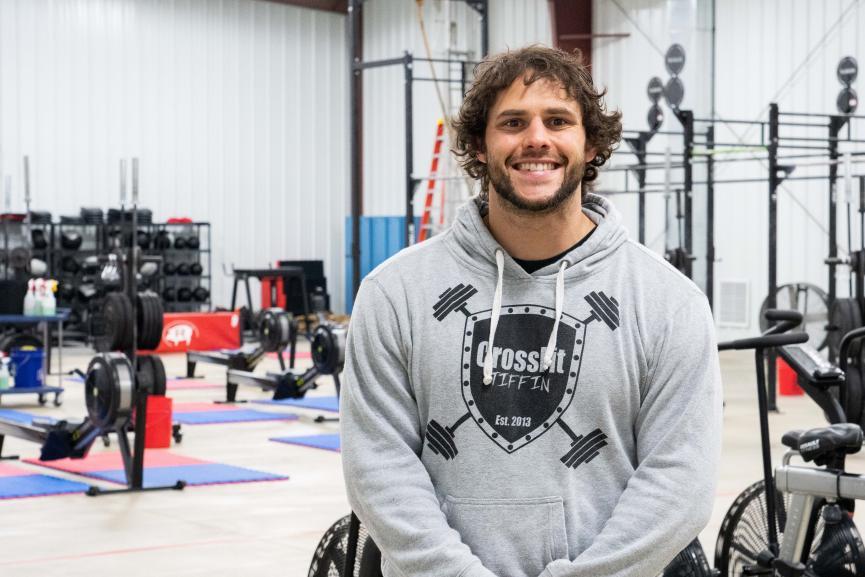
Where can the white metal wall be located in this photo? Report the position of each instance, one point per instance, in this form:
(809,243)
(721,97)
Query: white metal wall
(392,27)
(236,108)
(767,50)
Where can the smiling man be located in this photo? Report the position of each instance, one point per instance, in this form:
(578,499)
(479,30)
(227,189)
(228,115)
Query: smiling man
(531,393)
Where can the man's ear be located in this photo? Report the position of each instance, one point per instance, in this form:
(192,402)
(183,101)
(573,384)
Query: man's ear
(482,151)
(590,153)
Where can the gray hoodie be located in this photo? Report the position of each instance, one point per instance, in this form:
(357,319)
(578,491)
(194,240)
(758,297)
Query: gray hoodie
(581,440)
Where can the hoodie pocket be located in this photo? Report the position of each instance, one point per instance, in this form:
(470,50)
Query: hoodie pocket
(511,537)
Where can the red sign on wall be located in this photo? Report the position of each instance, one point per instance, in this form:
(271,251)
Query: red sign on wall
(183,332)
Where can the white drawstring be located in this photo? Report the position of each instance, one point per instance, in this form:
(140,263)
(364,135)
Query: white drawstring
(560,299)
(494,322)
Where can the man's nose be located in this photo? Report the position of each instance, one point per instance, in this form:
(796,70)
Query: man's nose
(536,135)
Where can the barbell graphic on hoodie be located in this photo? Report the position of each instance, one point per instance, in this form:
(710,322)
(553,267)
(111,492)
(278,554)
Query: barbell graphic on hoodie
(530,387)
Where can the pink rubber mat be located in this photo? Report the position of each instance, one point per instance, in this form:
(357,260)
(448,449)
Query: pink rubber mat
(109,461)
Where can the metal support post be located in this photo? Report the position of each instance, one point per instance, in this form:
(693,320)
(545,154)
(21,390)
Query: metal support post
(774,183)
(355,8)
(710,216)
(408,64)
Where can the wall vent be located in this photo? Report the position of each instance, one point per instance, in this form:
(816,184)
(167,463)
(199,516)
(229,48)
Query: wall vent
(733,308)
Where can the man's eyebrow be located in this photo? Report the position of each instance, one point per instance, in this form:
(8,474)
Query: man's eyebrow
(515,112)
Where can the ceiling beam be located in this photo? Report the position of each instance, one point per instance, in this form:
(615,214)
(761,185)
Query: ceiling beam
(340,6)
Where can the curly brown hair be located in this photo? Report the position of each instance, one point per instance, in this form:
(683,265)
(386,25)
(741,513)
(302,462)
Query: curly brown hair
(533,63)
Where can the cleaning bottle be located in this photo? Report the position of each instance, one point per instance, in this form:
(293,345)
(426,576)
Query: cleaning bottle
(40,297)
(4,373)
(49,304)
(30,298)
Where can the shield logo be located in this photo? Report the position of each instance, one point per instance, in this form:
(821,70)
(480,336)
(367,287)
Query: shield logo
(522,402)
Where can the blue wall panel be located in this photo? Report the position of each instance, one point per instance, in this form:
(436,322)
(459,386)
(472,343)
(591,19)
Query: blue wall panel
(380,238)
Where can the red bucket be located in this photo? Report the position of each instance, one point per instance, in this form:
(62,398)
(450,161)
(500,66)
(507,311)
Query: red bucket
(788,381)
(158,424)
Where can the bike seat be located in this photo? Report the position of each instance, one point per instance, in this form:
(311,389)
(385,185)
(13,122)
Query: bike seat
(814,445)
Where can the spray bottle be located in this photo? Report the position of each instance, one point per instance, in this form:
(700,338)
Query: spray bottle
(5,375)
(40,297)
(30,298)
(49,303)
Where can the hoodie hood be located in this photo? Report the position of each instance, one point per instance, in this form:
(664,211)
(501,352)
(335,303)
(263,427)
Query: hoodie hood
(471,241)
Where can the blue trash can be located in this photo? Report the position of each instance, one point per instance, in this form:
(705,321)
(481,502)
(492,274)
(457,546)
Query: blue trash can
(27,365)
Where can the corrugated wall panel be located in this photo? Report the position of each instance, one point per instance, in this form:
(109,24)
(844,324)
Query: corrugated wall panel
(517,23)
(767,50)
(236,109)
(391,27)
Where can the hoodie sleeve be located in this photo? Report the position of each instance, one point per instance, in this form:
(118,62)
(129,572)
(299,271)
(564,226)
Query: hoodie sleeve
(387,484)
(670,496)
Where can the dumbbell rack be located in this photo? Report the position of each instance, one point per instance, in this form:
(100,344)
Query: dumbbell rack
(173,257)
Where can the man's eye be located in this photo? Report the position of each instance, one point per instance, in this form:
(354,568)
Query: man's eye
(558,122)
(512,123)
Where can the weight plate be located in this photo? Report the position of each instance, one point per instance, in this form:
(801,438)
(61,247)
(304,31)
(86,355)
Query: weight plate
(847,101)
(847,70)
(674,59)
(116,322)
(184,295)
(149,321)
(196,269)
(108,390)
(151,375)
(808,299)
(655,117)
(655,90)
(674,92)
(844,316)
(193,242)
(328,348)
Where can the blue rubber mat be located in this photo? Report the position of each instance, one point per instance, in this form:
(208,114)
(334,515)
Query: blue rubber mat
(22,417)
(326,442)
(37,486)
(16,416)
(212,474)
(232,416)
(330,404)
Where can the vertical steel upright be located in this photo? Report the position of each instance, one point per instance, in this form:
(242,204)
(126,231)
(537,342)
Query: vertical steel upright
(638,147)
(774,183)
(355,8)
(408,80)
(686,118)
(835,124)
(710,215)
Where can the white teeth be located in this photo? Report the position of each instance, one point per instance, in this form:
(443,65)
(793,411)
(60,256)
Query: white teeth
(536,166)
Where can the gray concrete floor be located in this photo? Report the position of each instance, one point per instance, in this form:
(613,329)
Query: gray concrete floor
(271,528)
